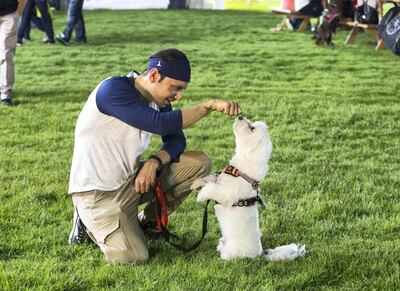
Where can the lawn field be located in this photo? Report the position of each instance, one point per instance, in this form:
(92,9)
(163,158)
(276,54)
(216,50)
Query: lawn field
(334,177)
(255,5)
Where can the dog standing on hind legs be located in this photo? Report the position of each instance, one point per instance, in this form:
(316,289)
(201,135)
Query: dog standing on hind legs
(236,191)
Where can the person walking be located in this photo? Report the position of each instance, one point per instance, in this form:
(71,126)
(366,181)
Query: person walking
(10,11)
(74,21)
(44,23)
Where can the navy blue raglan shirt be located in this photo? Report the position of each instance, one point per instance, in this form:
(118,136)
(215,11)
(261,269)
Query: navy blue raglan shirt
(118,97)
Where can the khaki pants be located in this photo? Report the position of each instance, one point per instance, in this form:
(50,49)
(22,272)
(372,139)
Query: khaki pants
(111,216)
(8,43)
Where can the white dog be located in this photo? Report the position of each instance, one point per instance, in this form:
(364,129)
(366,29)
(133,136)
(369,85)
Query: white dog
(236,191)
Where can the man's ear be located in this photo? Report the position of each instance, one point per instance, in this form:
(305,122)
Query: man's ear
(154,75)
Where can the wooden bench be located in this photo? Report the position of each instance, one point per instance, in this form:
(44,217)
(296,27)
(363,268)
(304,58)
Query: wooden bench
(291,15)
(368,28)
(371,29)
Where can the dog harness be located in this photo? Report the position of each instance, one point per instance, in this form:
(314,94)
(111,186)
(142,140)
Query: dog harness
(230,170)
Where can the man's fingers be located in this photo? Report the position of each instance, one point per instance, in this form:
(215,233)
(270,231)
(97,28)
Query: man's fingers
(137,186)
(143,185)
(232,108)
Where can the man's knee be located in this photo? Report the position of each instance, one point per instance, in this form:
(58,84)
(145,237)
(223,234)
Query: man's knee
(124,244)
(201,161)
(207,164)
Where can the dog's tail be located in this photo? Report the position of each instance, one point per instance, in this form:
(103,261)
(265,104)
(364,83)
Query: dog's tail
(285,253)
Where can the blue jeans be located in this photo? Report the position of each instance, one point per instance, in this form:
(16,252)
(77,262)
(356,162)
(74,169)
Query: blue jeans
(75,20)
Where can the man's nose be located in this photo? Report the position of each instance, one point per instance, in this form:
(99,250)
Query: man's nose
(178,95)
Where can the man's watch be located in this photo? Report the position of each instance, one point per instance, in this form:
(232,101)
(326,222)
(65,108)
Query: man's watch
(160,164)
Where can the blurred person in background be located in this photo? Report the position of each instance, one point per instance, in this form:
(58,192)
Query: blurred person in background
(74,21)
(43,23)
(10,11)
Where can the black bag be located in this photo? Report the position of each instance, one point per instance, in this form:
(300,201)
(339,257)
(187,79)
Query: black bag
(389,30)
(366,14)
(314,8)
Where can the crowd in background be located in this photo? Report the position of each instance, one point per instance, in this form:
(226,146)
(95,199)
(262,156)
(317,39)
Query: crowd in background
(17,17)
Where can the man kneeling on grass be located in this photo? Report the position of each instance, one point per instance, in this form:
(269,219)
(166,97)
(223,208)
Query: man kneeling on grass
(108,181)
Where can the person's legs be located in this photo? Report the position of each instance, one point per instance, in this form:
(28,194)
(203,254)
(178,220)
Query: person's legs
(295,23)
(37,21)
(111,221)
(8,43)
(46,20)
(111,217)
(25,23)
(73,16)
(80,31)
(176,179)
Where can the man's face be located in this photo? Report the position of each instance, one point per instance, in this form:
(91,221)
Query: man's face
(167,90)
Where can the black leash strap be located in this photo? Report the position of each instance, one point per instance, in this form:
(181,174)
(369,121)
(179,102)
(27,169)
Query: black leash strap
(167,235)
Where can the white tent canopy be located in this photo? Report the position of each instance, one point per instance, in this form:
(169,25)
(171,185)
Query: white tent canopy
(146,4)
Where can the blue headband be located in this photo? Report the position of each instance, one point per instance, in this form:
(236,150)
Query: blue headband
(177,69)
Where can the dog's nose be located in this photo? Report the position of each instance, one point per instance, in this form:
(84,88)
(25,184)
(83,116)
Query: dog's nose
(240,117)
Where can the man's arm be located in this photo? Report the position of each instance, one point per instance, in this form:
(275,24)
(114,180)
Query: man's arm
(147,175)
(193,114)
(21,4)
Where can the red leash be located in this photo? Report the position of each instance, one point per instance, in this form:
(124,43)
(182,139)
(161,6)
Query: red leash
(163,205)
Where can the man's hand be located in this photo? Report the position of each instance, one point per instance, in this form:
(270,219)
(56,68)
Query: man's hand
(146,177)
(227,107)
(193,114)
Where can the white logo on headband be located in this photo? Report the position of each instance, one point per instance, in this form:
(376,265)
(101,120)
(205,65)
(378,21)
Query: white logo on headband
(159,64)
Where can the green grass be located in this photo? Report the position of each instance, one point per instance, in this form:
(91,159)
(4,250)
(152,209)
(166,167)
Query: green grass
(334,175)
(256,5)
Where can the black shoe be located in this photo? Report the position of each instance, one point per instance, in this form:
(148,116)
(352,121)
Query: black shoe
(150,230)
(78,233)
(61,39)
(6,102)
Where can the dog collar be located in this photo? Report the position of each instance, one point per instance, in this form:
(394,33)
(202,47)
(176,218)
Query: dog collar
(230,170)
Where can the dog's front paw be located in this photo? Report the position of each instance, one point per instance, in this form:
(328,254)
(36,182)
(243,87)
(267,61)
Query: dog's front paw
(201,198)
(197,184)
